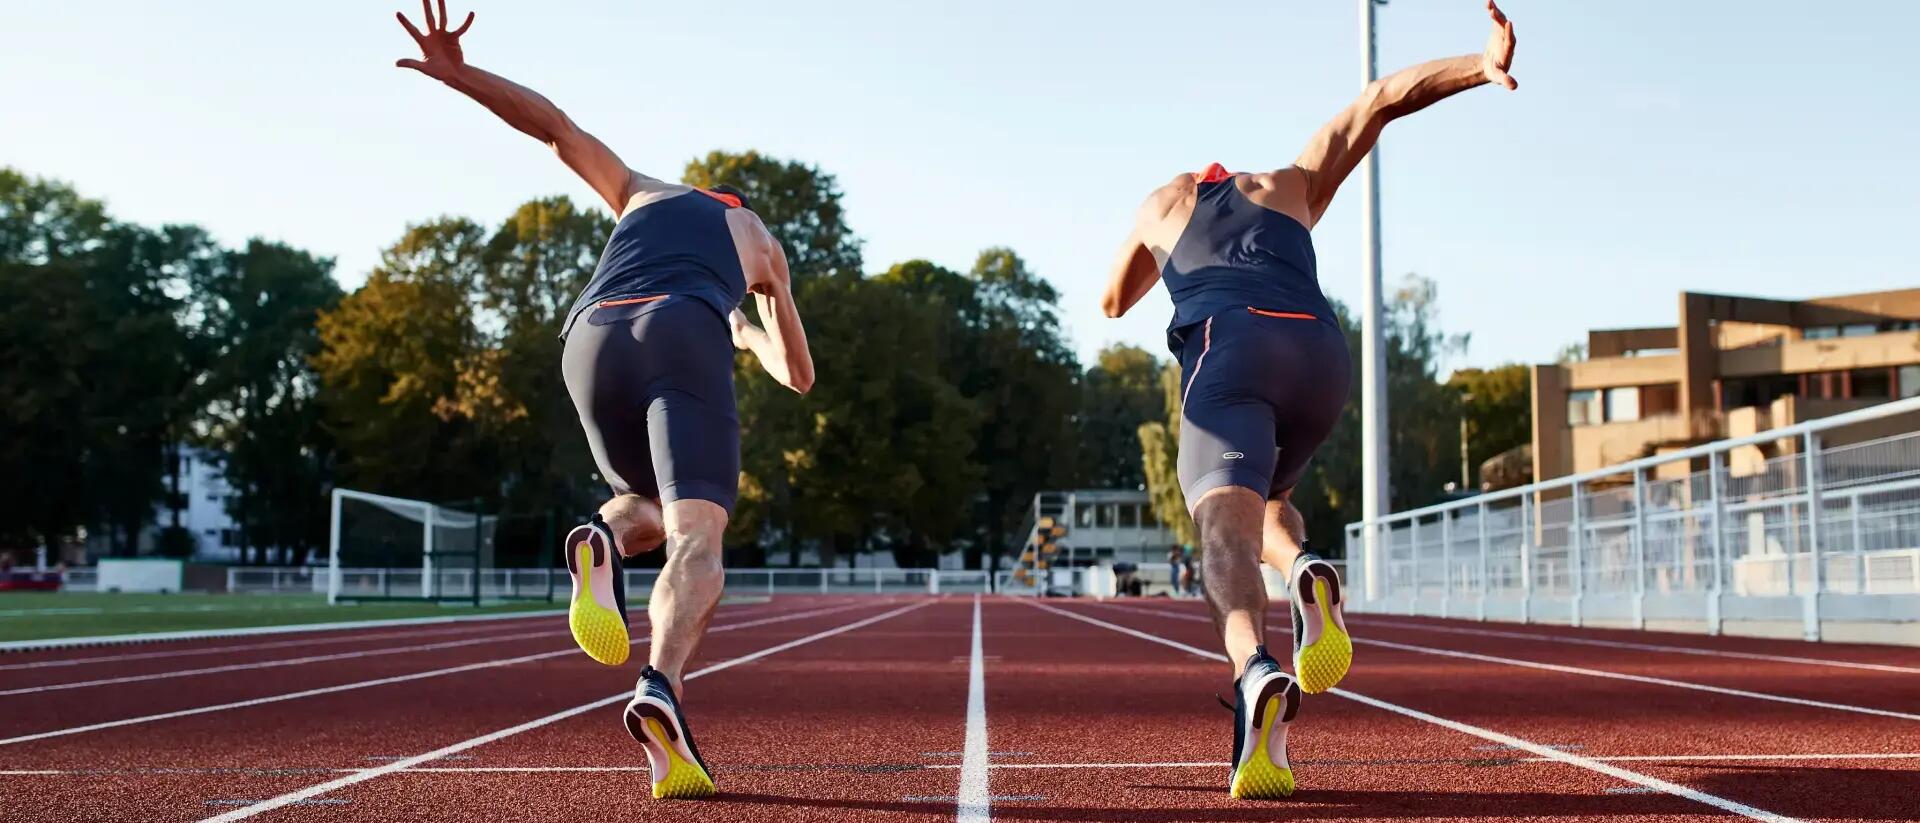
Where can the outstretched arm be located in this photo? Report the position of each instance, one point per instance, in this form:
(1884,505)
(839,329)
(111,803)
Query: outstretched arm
(782,346)
(1342,142)
(521,107)
(1138,267)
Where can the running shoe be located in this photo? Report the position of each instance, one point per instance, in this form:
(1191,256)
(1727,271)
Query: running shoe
(1322,649)
(653,718)
(1265,700)
(598,613)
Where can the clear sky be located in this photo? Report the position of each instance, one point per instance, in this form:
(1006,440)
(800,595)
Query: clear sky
(1762,147)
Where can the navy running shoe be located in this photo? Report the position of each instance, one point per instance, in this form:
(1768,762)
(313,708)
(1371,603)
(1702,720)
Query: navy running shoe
(1322,649)
(1266,699)
(598,612)
(653,717)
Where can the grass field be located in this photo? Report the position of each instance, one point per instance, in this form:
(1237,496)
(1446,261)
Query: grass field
(46,615)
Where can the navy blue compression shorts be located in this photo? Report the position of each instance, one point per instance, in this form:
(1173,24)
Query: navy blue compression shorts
(1262,390)
(652,379)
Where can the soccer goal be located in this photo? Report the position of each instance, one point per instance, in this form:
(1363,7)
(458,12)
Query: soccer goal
(393,548)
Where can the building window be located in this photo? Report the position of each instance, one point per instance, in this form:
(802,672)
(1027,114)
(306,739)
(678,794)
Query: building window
(1083,515)
(229,538)
(1583,408)
(1103,552)
(1623,404)
(1104,516)
(1148,521)
(1819,332)
(1859,329)
(1660,399)
(1129,516)
(1909,381)
(1872,384)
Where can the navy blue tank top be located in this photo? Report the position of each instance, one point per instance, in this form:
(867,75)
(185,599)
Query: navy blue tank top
(1237,254)
(677,246)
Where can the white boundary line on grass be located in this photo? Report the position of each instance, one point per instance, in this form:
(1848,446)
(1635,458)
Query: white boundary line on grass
(384,681)
(1544,752)
(1645,647)
(364,775)
(975,801)
(1555,667)
(249,631)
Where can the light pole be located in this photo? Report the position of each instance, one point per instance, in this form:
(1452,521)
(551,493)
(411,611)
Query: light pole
(1374,502)
(1465,399)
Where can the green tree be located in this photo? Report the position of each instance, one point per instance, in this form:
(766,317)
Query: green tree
(1120,393)
(390,364)
(256,313)
(1499,410)
(999,344)
(107,339)
(1160,459)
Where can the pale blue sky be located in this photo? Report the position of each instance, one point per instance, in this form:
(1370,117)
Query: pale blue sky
(1754,147)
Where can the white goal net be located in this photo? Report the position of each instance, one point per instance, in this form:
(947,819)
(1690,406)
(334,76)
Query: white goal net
(382,547)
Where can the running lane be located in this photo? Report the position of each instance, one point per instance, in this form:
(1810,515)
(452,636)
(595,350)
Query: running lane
(1602,718)
(191,767)
(851,727)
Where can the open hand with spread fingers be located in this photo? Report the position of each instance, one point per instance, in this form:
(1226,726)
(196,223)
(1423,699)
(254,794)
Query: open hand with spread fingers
(439,46)
(1499,55)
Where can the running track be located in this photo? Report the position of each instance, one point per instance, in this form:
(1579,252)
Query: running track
(864,707)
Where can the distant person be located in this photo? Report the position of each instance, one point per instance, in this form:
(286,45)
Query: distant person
(1264,372)
(1188,577)
(1176,556)
(648,361)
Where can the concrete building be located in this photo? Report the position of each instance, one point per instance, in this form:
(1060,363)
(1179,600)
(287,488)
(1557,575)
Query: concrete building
(1732,366)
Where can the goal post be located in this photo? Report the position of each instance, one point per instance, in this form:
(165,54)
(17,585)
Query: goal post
(381,547)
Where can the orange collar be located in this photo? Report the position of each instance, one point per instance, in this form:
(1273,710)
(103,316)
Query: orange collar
(1214,174)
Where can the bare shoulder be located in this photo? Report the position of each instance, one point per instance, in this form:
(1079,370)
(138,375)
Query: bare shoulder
(1166,199)
(760,254)
(1283,190)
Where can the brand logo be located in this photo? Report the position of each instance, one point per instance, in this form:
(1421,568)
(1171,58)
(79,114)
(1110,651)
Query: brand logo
(1232,456)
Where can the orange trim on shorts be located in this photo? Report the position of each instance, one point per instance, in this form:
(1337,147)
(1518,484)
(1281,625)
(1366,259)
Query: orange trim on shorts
(1213,174)
(630,301)
(730,200)
(1284,315)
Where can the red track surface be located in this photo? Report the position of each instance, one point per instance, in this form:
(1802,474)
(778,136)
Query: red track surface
(871,723)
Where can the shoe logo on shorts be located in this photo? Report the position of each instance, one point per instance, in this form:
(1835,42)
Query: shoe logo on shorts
(1232,456)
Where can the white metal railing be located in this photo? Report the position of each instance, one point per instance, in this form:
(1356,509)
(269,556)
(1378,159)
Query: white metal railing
(1656,538)
(521,583)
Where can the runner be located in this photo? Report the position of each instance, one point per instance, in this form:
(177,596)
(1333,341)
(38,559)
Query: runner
(649,363)
(1264,370)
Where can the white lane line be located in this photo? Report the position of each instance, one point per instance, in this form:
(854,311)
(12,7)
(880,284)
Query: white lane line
(1645,647)
(1587,763)
(202,634)
(364,775)
(384,681)
(245,647)
(1636,678)
(1554,667)
(284,644)
(291,661)
(974,801)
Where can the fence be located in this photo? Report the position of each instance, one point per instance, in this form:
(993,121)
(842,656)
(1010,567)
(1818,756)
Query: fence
(525,583)
(1775,526)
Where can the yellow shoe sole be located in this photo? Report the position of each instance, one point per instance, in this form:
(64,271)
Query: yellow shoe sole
(1259,778)
(1321,664)
(599,630)
(685,780)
